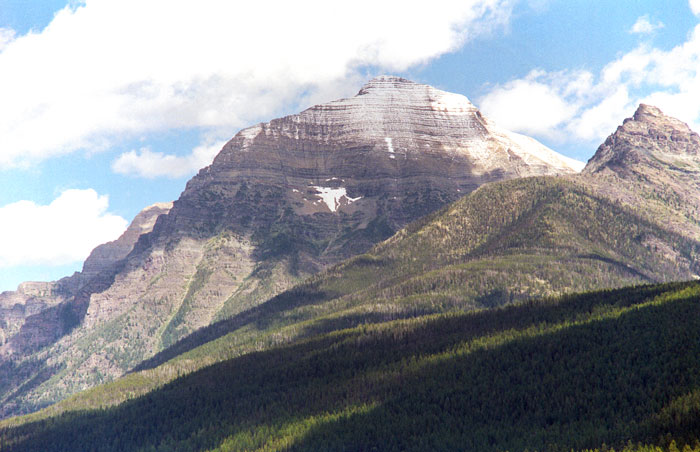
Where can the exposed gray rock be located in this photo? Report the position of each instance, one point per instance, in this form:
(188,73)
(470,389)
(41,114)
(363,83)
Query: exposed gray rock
(652,163)
(26,321)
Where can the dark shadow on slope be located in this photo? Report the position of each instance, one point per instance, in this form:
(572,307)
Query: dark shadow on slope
(578,388)
(569,388)
(619,265)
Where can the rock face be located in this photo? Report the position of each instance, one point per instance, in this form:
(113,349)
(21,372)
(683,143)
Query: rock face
(38,312)
(648,140)
(281,201)
(652,161)
(105,256)
(394,152)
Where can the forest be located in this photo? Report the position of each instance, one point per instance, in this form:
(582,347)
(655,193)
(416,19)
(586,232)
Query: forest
(605,370)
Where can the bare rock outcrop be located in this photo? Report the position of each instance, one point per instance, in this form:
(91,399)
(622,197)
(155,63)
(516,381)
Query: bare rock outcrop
(37,313)
(652,163)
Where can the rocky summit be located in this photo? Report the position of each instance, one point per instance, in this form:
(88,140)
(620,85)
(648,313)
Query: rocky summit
(652,162)
(648,140)
(281,201)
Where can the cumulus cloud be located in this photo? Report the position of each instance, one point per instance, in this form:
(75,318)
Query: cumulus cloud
(106,70)
(532,105)
(581,105)
(60,233)
(644,26)
(149,164)
(695,7)
(7,35)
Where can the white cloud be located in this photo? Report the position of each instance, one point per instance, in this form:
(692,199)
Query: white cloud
(113,69)
(63,232)
(695,6)
(580,105)
(644,26)
(7,35)
(529,105)
(149,164)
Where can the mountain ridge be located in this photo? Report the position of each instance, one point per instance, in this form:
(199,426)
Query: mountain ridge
(505,242)
(281,201)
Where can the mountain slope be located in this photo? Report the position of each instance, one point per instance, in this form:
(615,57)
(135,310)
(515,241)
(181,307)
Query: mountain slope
(38,313)
(503,243)
(281,201)
(573,373)
(656,159)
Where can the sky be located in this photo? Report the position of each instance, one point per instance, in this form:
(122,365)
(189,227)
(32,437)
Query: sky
(108,106)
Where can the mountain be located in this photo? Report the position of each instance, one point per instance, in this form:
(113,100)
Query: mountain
(379,348)
(281,201)
(656,159)
(38,312)
(648,142)
(504,243)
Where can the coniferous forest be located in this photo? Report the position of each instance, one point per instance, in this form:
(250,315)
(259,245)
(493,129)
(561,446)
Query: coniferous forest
(607,370)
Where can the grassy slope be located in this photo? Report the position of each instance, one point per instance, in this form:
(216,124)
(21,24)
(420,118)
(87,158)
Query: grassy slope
(576,372)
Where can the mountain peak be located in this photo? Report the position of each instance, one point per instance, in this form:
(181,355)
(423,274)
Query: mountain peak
(385,82)
(650,119)
(648,139)
(393,91)
(644,111)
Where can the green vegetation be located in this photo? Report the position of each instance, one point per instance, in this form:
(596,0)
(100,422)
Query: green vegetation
(173,330)
(611,370)
(504,243)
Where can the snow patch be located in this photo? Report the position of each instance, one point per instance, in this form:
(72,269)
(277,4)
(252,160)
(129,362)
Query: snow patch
(452,103)
(333,196)
(389,144)
(251,132)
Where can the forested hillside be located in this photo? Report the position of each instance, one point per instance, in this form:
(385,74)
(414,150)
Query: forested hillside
(594,370)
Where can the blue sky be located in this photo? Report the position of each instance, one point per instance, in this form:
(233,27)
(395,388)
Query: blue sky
(107,106)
